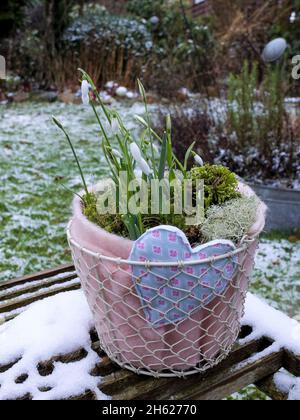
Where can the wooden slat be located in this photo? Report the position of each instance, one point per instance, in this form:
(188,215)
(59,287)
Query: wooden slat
(7,318)
(114,382)
(291,363)
(4,368)
(37,276)
(86,396)
(19,303)
(46,368)
(142,386)
(105,367)
(117,381)
(43,284)
(26,397)
(221,383)
(268,387)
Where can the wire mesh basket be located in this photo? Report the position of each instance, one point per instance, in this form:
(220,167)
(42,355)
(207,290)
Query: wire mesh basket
(200,324)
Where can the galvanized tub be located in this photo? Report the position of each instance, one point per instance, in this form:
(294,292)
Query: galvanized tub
(284,207)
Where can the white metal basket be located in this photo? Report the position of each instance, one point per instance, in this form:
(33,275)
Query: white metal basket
(197,342)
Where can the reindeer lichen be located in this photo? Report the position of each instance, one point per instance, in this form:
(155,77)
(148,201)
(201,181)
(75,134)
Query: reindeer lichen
(231,220)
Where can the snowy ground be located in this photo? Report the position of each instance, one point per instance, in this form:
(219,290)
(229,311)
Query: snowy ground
(277,275)
(34,209)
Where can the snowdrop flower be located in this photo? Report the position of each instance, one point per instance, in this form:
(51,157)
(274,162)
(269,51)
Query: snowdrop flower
(156,150)
(169,123)
(198,160)
(117,153)
(85,88)
(114,126)
(136,153)
(138,173)
(145,168)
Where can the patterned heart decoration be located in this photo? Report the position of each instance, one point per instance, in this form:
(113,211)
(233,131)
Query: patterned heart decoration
(171,294)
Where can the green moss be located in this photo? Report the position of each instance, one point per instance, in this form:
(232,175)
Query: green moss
(220,184)
(111,223)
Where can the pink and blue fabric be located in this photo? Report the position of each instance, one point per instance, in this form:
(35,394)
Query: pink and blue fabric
(171,294)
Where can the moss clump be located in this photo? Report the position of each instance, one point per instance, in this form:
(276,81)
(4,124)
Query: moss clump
(220,184)
(111,223)
(231,220)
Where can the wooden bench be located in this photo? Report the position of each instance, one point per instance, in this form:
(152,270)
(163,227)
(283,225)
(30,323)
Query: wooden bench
(238,371)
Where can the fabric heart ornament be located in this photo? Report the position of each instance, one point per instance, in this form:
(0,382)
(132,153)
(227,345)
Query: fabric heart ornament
(172,293)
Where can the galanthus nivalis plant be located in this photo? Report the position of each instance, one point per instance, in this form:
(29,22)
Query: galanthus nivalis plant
(150,159)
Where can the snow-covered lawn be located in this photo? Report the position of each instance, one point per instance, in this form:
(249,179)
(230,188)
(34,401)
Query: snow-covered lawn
(34,159)
(277,274)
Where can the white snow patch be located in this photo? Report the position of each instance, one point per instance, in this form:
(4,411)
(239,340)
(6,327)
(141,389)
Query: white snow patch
(55,326)
(292,100)
(267,321)
(121,91)
(137,109)
(288,384)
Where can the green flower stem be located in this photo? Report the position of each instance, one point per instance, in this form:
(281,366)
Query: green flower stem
(100,124)
(180,166)
(59,125)
(143,94)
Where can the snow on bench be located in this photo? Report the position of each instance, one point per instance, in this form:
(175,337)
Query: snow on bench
(49,350)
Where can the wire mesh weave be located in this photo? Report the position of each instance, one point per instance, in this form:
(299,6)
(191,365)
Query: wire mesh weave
(200,340)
